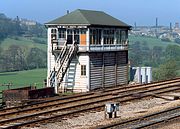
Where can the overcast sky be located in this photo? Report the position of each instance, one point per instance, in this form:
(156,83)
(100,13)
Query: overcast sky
(143,12)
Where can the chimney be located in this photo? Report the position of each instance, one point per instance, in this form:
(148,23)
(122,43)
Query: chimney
(156,22)
(170,27)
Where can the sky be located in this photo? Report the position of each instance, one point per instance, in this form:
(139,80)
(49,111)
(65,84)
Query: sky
(143,12)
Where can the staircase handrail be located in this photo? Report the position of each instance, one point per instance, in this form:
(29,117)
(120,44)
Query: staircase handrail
(66,61)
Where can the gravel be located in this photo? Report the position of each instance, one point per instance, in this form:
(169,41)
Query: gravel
(127,110)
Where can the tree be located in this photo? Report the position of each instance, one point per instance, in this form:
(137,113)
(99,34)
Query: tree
(172,51)
(135,54)
(1,59)
(14,59)
(36,58)
(177,40)
(166,71)
(155,55)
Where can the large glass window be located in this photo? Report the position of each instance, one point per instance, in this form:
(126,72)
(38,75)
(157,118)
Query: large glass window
(62,33)
(123,36)
(69,36)
(108,36)
(76,35)
(95,36)
(53,34)
(118,37)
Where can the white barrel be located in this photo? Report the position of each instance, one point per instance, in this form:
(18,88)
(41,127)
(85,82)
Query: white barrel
(149,74)
(137,76)
(143,74)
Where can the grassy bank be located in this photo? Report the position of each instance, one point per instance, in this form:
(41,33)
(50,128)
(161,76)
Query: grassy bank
(150,41)
(25,43)
(23,78)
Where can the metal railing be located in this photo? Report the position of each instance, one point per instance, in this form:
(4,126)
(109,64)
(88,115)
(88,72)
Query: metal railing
(107,47)
(98,48)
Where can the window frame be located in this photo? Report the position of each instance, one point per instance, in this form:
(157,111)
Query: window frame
(83,70)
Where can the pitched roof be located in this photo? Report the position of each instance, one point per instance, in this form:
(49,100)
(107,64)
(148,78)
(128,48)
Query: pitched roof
(88,17)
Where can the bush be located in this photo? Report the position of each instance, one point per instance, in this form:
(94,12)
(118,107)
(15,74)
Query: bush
(166,40)
(177,40)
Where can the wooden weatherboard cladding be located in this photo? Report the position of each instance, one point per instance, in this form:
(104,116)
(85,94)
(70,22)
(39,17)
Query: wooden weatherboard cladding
(108,69)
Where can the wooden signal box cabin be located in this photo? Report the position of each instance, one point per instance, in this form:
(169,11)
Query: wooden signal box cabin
(87,50)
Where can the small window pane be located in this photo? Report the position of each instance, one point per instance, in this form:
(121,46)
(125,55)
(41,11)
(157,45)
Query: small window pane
(83,70)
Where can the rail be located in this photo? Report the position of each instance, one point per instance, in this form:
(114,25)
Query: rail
(74,108)
(144,121)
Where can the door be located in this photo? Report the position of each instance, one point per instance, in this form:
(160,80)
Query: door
(83,39)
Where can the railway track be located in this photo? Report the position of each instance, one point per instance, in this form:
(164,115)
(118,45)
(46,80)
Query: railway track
(53,104)
(90,95)
(147,121)
(29,115)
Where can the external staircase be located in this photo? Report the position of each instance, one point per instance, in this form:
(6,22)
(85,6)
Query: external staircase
(62,63)
(71,75)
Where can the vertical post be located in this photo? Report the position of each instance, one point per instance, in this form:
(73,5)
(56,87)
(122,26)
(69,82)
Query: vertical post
(49,54)
(103,70)
(115,114)
(55,85)
(116,68)
(88,72)
(115,37)
(110,114)
(127,63)
(105,112)
(87,39)
(73,35)
(102,39)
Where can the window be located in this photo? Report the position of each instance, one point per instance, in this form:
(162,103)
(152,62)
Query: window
(83,70)
(118,37)
(53,34)
(108,36)
(95,36)
(69,36)
(123,35)
(62,33)
(76,35)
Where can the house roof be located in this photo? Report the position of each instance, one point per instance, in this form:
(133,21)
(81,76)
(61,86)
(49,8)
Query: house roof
(88,17)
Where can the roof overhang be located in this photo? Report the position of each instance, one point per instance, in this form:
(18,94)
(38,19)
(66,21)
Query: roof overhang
(84,26)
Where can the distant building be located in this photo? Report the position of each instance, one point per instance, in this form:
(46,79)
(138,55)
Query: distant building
(87,50)
(27,22)
(176,25)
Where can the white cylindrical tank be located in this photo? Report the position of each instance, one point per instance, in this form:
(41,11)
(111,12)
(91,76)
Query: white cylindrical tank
(137,76)
(143,75)
(149,74)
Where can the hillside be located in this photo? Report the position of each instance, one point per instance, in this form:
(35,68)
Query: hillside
(24,43)
(150,41)
(23,78)
(10,27)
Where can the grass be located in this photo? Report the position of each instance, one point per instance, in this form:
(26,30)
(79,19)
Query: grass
(23,78)
(150,41)
(25,43)
(178,73)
